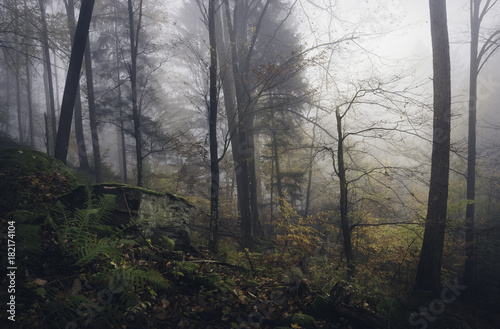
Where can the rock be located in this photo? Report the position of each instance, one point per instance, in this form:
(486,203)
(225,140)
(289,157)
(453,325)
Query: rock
(322,307)
(304,321)
(159,214)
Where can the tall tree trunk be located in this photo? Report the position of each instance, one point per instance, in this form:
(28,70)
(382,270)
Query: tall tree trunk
(471,148)
(19,107)
(136,116)
(122,151)
(309,175)
(229,92)
(478,57)
(83,159)
(28,82)
(80,137)
(212,118)
(48,69)
(94,130)
(344,211)
(72,79)
(30,103)
(245,157)
(7,99)
(277,169)
(429,267)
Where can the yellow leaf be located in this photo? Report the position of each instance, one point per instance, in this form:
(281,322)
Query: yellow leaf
(294,325)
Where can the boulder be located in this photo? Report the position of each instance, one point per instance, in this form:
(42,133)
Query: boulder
(158,214)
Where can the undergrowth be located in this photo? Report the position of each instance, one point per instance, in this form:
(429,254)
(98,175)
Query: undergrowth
(100,282)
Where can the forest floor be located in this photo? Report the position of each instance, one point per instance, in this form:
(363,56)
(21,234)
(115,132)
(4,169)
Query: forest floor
(67,278)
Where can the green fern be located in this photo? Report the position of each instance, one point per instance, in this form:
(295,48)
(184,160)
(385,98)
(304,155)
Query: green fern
(137,310)
(85,235)
(133,278)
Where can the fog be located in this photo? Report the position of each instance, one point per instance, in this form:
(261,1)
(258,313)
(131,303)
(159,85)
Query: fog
(379,47)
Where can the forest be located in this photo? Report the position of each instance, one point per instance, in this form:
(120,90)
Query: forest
(250,164)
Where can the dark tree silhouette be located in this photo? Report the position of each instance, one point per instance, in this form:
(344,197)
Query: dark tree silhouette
(72,79)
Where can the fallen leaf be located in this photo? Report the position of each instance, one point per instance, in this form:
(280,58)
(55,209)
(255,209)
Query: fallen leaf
(40,282)
(165,303)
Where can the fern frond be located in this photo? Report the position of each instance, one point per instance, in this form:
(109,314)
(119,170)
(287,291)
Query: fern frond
(137,310)
(138,277)
(105,207)
(93,249)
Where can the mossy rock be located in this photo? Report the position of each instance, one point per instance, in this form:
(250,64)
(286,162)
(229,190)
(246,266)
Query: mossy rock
(31,180)
(321,307)
(304,321)
(29,161)
(163,242)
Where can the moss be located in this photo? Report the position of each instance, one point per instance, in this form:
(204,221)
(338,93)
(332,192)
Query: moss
(252,283)
(164,242)
(188,269)
(230,282)
(145,190)
(304,321)
(321,307)
(29,161)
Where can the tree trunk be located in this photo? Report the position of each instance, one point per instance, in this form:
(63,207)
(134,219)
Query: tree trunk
(19,107)
(136,116)
(344,215)
(94,130)
(80,137)
(471,148)
(122,151)
(30,103)
(429,267)
(7,100)
(83,159)
(212,118)
(309,178)
(28,83)
(72,79)
(276,156)
(48,69)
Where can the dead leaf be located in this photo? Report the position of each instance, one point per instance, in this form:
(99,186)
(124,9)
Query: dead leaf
(76,288)
(165,303)
(243,300)
(40,282)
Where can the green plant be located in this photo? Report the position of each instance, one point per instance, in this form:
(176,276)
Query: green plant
(86,234)
(94,248)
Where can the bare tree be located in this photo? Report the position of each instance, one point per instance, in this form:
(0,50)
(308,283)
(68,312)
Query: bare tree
(429,267)
(49,85)
(478,57)
(214,157)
